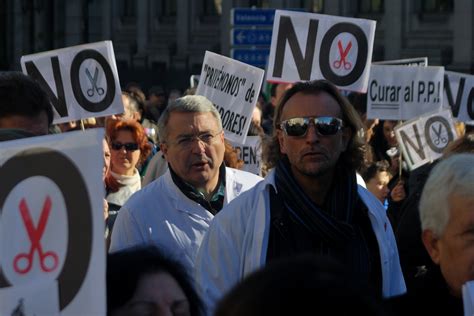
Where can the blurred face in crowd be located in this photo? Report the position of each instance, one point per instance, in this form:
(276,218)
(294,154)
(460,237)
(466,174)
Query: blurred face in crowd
(313,154)
(194,148)
(378,185)
(107,155)
(156,294)
(453,251)
(389,133)
(124,160)
(37,125)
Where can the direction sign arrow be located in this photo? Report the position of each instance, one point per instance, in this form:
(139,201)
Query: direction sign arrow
(242,36)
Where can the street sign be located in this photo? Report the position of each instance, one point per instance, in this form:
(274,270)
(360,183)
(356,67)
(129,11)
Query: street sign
(251,56)
(240,36)
(252,17)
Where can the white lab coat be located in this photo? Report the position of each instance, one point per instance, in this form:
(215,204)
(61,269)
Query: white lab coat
(236,243)
(162,215)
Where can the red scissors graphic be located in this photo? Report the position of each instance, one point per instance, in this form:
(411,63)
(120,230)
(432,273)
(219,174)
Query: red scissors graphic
(35,234)
(343,53)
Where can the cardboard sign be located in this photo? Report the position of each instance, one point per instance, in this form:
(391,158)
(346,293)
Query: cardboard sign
(52,225)
(459,95)
(251,154)
(402,93)
(82,81)
(308,46)
(233,87)
(423,140)
(418,61)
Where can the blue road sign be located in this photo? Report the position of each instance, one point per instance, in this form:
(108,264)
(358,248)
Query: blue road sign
(254,57)
(242,36)
(252,17)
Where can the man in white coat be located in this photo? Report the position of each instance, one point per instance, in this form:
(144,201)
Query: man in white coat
(309,203)
(174,211)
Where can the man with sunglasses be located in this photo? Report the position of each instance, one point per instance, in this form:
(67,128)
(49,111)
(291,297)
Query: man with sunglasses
(309,203)
(174,211)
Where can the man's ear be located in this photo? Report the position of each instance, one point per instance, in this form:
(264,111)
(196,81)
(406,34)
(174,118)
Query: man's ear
(431,243)
(281,141)
(164,149)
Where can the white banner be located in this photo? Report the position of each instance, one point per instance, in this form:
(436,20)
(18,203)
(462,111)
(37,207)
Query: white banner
(309,46)
(403,93)
(52,251)
(423,140)
(82,81)
(233,87)
(459,95)
(251,154)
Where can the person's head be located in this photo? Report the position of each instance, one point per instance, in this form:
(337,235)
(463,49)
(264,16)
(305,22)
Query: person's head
(107,155)
(128,145)
(143,281)
(231,156)
(131,108)
(359,101)
(24,104)
(447,219)
(315,128)
(157,96)
(464,144)
(257,116)
(299,285)
(174,94)
(377,176)
(192,140)
(389,133)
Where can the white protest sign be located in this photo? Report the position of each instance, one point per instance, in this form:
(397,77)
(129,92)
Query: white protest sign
(51,223)
(309,46)
(81,81)
(403,93)
(32,299)
(423,140)
(251,154)
(417,61)
(233,87)
(194,81)
(459,95)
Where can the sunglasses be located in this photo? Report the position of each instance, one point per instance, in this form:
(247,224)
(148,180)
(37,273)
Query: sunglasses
(127,146)
(298,126)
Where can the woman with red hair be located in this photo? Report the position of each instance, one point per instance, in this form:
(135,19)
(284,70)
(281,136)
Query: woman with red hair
(129,147)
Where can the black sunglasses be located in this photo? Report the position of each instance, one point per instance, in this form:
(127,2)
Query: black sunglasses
(128,146)
(325,126)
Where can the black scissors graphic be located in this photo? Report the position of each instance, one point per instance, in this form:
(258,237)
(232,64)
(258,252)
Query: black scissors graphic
(93,80)
(35,234)
(440,139)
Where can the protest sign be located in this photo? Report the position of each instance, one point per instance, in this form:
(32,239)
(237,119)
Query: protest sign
(251,154)
(423,140)
(402,93)
(459,95)
(417,61)
(233,87)
(52,227)
(82,81)
(309,46)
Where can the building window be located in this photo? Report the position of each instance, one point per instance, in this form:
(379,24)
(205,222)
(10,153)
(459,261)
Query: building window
(437,6)
(168,8)
(370,6)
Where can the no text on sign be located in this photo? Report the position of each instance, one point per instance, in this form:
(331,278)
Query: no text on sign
(251,17)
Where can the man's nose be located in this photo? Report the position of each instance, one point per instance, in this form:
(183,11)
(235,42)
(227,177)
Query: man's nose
(198,145)
(311,134)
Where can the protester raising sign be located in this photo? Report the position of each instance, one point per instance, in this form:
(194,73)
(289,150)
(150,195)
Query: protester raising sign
(423,140)
(308,46)
(52,252)
(459,95)
(402,93)
(82,81)
(233,87)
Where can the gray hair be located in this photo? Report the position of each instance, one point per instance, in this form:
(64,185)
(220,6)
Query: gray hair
(187,104)
(452,176)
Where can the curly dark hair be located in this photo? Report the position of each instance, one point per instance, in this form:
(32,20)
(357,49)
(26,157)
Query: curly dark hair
(353,157)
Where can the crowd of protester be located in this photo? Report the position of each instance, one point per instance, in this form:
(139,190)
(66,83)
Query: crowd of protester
(334,225)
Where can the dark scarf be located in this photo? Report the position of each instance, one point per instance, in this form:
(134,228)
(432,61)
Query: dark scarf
(333,223)
(340,228)
(215,204)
